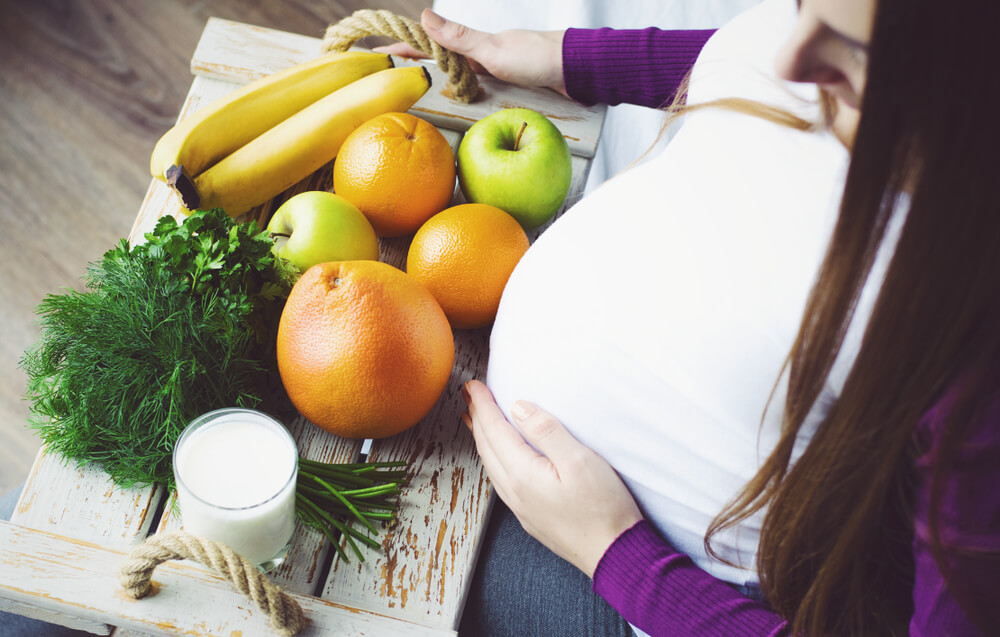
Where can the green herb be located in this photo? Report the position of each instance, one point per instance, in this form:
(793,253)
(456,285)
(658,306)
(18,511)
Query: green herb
(165,331)
(327,494)
(168,330)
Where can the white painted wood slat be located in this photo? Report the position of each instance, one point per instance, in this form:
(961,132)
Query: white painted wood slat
(61,497)
(80,580)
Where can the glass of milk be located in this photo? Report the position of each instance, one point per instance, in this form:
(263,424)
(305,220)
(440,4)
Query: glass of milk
(235,471)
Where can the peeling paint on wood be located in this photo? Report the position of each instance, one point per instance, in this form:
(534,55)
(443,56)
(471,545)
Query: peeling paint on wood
(81,502)
(83,588)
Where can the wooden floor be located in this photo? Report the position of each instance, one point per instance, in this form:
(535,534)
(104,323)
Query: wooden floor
(86,89)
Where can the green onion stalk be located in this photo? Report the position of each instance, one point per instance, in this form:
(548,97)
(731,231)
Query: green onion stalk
(352,499)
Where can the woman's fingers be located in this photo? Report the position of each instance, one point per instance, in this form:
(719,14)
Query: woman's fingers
(484,415)
(546,433)
(402,49)
(454,36)
(518,56)
(504,440)
(512,464)
(567,496)
(451,35)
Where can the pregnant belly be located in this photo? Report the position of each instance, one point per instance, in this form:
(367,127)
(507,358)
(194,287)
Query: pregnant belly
(668,385)
(653,319)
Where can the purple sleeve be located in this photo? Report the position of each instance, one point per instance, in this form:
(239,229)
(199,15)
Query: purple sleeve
(662,591)
(634,66)
(969,527)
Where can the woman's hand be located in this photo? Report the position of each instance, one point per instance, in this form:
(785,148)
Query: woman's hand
(569,499)
(527,58)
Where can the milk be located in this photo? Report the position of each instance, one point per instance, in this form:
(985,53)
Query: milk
(235,471)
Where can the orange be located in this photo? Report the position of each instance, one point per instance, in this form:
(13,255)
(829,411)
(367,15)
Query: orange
(364,350)
(397,169)
(464,255)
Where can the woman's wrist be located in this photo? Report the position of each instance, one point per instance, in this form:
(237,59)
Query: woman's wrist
(602,548)
(556,80)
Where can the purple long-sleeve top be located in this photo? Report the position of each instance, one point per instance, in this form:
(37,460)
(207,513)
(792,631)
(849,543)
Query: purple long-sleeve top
(660,590)
(631,66)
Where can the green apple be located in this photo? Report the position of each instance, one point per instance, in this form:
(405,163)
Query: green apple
(316,227)
(518,161)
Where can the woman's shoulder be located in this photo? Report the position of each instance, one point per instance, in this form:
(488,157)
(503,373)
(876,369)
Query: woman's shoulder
(738,61)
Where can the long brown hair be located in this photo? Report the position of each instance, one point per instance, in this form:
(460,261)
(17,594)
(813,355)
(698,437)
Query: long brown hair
(835,553)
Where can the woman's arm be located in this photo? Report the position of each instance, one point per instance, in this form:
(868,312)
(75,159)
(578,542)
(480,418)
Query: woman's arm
(572,501)
(634,66)
(518,56)
(968,526)
(662,592)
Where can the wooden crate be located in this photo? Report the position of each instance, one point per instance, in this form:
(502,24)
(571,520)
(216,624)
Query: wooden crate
(71,530)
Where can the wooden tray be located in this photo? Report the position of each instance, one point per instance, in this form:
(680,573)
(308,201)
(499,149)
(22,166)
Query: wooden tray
(72,527)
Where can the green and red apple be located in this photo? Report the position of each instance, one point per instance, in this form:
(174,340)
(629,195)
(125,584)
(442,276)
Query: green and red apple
(517,160)
(317,226)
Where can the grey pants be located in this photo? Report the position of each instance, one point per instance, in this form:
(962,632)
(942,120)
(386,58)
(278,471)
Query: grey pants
(522,589)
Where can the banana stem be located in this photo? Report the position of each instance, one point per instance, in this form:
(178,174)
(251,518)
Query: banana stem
(179,180)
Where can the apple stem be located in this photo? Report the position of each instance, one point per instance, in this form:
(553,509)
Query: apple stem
(280,234)
(517,140)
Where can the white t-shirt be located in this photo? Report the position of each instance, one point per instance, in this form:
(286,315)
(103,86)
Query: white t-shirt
(653,318)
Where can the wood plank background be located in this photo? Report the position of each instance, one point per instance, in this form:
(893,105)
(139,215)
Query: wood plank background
(86,89)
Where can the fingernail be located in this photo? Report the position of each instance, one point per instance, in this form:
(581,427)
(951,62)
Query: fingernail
(467,420)
(465,393)
(432,20)
(522,409)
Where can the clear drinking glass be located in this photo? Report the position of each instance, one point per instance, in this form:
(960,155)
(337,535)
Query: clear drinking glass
(235,471)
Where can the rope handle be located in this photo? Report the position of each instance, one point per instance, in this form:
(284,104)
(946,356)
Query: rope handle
(462,81)
(285,614)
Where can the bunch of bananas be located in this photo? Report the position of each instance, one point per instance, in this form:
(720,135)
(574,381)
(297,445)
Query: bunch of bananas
(251,145)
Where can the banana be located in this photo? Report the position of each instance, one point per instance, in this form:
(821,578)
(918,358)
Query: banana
(212,132)
(300,145)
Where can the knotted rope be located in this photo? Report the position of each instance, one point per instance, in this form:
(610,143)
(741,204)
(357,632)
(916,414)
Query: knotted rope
(284,612)
(339,37)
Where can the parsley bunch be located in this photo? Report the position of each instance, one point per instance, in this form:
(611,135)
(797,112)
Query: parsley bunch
(164,331)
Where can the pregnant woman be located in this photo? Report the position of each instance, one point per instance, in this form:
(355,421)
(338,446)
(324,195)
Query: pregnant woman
(750,387)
